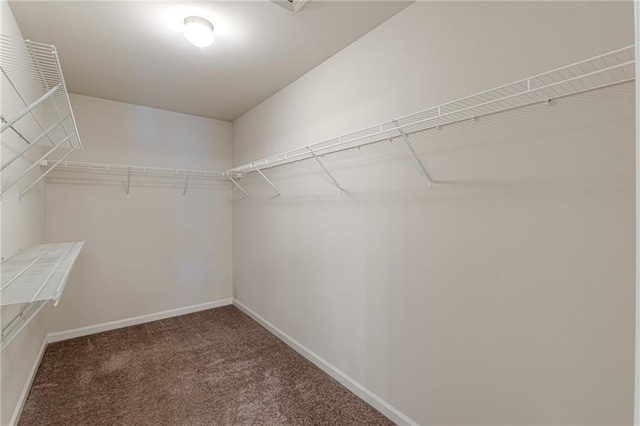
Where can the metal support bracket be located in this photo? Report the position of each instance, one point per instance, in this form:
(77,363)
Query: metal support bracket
(20,135)
(238,185)
(24,102)
(406,140)
(275,188)
(186,185)
(42,176)
(32,144)
(128,184)
(24,317)
(30,107)
(34,165)
(335,183)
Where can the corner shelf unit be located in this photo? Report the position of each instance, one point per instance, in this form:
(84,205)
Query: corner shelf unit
(31,278)
(609,69)
(34,96)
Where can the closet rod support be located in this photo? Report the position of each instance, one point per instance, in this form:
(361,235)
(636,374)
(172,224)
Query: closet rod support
(186,185)
(128,185)
(238,185)
(406,140)
(275,188)
(335,183)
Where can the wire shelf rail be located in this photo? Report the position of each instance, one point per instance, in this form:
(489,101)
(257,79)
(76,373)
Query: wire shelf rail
(34,96)
(605,70)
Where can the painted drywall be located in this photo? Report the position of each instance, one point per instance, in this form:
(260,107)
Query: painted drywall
(504,295)
(154,250)
(637,387)
(22,225)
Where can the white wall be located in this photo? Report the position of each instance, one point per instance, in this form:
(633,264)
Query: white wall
(505,295)
(637,380)
(22,225)
(155,250)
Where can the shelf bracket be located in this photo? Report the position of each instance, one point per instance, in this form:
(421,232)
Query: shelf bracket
(30,107)
(127,186)
(25,315)
(406,140)
(42,176)
(335,183)
(275,188)
(24,102)
(186,185)
(20,135)
(35,164)
(32,144)
(238,185)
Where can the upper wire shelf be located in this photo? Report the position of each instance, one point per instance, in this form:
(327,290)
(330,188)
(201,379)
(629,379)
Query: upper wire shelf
(35,104)
(608,69)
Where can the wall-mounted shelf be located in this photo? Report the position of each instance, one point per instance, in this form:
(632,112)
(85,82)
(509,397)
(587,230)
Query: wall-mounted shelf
(609,69)
(32,276)
(35,104)
(128,170)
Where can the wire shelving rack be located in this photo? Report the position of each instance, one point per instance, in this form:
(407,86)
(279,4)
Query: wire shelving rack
(33,277)
(612,68)
(34,96)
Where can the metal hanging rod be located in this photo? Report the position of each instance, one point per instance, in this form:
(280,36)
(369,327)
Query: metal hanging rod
(34,86)
(605,70)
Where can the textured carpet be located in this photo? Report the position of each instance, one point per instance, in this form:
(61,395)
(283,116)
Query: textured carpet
(216,367)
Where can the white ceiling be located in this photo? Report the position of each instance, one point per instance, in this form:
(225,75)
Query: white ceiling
(134,51)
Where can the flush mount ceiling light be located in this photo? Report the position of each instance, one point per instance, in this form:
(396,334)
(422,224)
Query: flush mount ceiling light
(198,31)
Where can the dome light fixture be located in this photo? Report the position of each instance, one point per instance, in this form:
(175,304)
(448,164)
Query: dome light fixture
(198,31)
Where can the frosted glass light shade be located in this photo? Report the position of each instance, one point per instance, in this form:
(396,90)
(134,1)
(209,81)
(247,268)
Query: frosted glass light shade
(198,31)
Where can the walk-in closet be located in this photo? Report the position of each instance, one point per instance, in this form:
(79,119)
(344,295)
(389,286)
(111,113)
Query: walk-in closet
(319,212)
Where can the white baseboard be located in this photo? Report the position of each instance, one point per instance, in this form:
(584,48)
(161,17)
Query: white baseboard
(363,393)
(99,328)
(28,383)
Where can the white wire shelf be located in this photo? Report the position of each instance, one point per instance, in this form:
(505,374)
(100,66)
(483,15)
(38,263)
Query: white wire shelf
(35,103)
(37,273)
(128,170)
(33,277)
(143,170)
(605,70)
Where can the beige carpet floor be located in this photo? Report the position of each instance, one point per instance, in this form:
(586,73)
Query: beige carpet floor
(216,367)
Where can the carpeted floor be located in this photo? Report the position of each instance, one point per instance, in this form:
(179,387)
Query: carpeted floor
(216,367)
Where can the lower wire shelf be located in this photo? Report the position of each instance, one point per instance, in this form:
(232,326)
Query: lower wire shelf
(32,277)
